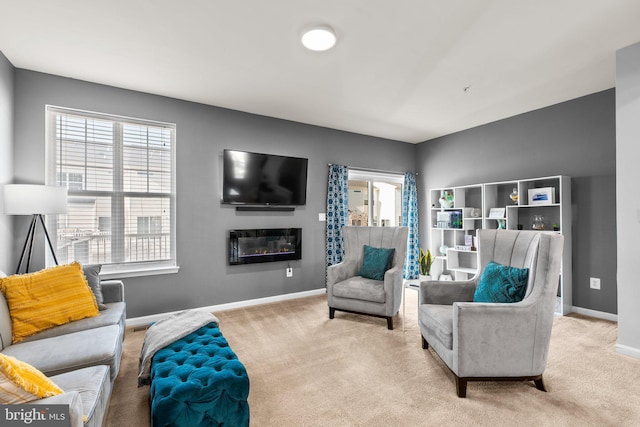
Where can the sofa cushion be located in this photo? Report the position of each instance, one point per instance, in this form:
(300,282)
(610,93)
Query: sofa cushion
(114,314)
(375,262)
(92,274)
(94,387)
(358,287)
(438,319)
(47,298)
(64,353)
(22,383)
(501,284)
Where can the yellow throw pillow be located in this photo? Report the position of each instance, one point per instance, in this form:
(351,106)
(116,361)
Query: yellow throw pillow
(22,383)
(47,298)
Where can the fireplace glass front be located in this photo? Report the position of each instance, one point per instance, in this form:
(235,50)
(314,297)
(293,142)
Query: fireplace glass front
(264,245)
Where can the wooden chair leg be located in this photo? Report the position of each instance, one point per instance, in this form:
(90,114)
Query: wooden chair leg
(540,384)
(332,312)
(425,344)
(390,323)
(461,386)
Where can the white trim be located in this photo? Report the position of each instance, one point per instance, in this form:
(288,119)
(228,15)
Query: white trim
(595,313)
(628,351)
(138,272)
(146,320)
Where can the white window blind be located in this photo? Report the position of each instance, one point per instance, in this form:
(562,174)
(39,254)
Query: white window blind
(120,176)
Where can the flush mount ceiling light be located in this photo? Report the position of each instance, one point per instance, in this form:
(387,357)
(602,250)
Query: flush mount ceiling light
(319,38)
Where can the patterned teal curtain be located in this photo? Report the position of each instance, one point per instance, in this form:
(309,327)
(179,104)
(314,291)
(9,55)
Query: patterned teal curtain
(337,211)
(410,219)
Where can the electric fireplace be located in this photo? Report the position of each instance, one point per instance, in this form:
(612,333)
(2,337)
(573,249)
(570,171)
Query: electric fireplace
(264,245)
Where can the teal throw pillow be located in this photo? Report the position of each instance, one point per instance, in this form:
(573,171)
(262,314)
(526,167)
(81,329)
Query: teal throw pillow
(501,283)
(376,262)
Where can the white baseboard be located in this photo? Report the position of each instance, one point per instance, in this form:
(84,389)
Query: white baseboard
(628,351)
(595,313)
(146,320)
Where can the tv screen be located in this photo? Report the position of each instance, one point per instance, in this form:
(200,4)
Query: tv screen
(263,179)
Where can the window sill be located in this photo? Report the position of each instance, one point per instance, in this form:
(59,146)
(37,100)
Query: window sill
(138,272)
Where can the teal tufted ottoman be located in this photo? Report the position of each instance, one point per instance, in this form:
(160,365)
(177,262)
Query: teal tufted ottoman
(199,381)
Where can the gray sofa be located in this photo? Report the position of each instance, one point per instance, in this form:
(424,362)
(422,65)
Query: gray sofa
(81,357)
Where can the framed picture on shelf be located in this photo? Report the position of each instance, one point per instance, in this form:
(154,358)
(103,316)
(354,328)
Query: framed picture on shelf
(542,196)
(496,213)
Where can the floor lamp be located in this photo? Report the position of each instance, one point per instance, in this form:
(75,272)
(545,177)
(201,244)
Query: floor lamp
(37,201)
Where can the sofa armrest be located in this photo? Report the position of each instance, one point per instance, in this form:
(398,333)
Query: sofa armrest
(504,334)
(393,277)
(341,271)
(71,398)
(446,292)
(112,291)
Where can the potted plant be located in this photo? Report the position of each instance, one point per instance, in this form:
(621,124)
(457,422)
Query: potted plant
(425,260)
(556,227)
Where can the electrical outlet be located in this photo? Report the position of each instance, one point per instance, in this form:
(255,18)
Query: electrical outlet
(594,283)
(289,272)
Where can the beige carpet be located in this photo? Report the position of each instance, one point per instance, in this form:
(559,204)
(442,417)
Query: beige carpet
(307,370)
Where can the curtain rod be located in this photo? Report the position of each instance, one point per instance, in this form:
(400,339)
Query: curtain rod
(373,170)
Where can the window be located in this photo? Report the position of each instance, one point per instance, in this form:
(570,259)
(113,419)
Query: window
(149,225)
(71,180)
(120,175)
(375,198)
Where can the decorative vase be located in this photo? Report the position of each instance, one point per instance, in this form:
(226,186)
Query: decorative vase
(443,250)
(514,196)
(424,277)
(446,200)
(538,222)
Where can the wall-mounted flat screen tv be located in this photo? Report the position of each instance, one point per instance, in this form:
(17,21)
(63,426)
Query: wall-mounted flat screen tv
(263,179)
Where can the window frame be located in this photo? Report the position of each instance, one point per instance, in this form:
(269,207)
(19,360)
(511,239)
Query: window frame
(117,268)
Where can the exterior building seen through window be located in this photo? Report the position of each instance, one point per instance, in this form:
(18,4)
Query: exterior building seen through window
(375,198)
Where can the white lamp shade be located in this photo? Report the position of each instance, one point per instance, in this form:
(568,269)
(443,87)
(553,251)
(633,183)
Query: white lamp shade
(28,199)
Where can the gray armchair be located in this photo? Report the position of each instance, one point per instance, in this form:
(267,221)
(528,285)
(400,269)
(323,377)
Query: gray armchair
(351,293)
(496,341)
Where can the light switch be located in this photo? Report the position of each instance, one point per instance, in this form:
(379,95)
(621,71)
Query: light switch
(322,217)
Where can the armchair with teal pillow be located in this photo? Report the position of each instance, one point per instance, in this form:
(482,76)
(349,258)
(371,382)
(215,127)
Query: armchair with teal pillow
(369,279)
(508,338)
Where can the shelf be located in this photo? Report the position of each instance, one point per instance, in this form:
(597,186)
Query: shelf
(550,205)
(462,251)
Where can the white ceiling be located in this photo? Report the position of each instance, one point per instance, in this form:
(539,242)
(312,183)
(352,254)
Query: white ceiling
(398,71)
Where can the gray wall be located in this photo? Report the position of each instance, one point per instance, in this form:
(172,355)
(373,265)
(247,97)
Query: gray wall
(6,159)
(202,133)
(575,138)
(628,176)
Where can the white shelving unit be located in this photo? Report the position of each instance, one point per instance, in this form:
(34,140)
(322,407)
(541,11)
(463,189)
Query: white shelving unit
(474,203)
(446,241)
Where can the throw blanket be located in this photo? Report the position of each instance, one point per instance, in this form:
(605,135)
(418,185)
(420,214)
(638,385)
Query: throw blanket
(164,332)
